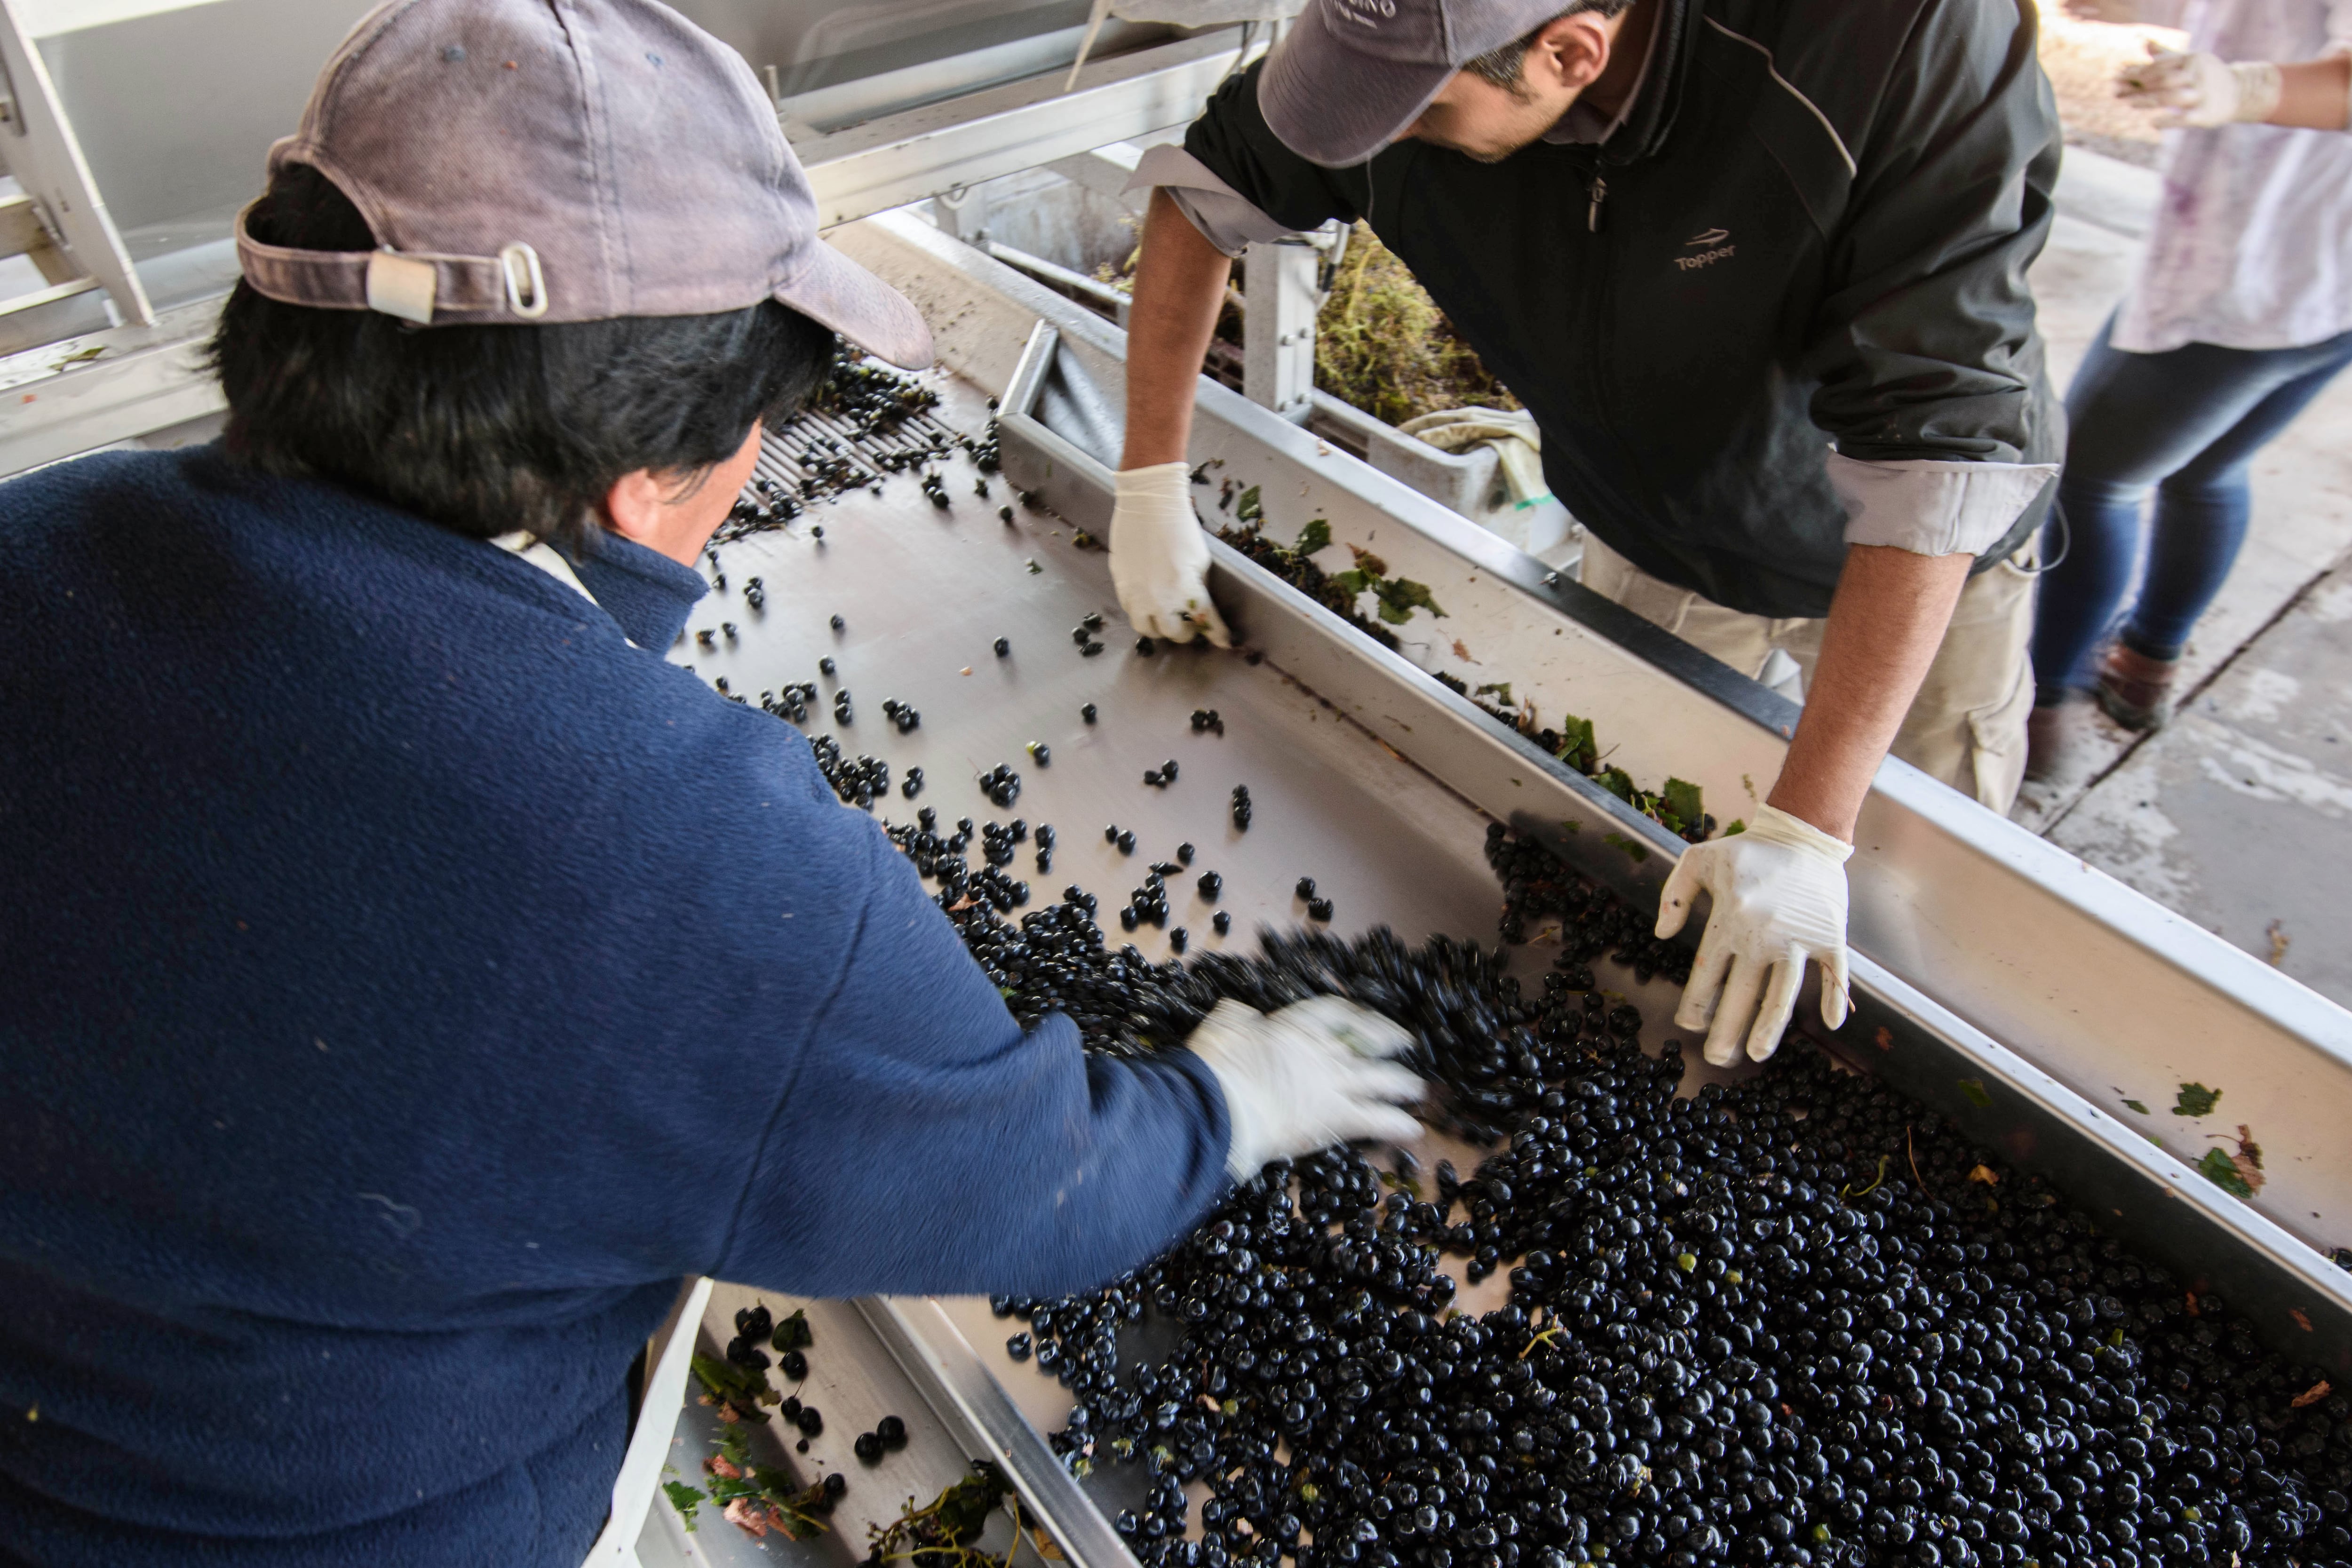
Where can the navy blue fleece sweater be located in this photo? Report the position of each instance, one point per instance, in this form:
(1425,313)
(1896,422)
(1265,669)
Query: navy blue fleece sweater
(404,981)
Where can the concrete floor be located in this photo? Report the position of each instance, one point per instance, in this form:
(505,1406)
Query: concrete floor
(2239,814)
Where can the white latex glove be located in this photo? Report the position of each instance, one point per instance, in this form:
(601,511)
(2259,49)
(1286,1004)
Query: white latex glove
(2123,11)
(1160,558)
(1314,1074)
(2201,91)
(1780,899)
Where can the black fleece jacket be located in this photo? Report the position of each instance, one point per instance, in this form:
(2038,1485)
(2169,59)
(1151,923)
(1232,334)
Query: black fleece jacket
(1814,227)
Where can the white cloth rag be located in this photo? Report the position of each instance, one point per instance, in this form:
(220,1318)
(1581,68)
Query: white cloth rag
(1512,435)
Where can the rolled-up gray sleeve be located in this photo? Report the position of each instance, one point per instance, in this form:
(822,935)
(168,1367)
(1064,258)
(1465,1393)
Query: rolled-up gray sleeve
(1932,384)
(1225,218)
(1932,508)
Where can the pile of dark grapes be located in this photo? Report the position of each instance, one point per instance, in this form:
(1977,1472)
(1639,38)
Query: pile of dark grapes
(859,780)
(1537,888)
(870,398)
(1800,1320)
(975,896)
(877,404)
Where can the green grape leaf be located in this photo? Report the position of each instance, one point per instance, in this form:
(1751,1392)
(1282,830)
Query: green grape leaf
(1683,798)
(2222,1172)
(1400,596)
(792,1333)
(1577,748)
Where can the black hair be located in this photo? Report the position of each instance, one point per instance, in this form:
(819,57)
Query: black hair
(1505,65)
(487,429)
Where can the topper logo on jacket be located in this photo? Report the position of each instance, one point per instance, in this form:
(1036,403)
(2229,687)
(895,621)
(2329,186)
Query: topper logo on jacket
(1710,247)
(1365,13)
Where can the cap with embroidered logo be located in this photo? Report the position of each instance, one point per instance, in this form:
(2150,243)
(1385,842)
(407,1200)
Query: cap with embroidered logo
(1353,75)
(532,160)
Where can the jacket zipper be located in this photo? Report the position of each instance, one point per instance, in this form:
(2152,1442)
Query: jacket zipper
(1596,334)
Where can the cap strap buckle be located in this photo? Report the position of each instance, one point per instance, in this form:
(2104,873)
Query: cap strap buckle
(526,293)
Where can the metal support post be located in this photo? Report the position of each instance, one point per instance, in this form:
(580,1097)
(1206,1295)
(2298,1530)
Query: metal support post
(39,149)
(1278,327)
(963,213)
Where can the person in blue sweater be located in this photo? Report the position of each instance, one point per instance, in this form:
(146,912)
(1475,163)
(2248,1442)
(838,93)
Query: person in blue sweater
(409,976)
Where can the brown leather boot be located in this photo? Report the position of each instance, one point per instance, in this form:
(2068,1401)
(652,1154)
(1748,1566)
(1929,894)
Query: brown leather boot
(2137,690)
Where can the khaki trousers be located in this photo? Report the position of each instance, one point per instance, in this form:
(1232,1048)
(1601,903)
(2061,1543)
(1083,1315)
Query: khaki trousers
(1967,726)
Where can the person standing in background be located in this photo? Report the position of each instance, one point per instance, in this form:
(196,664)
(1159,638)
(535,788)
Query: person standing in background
(2241,312)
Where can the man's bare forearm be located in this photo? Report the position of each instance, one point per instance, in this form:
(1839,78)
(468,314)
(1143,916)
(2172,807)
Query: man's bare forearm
(2311,93)
(1178,285)
(1886,623)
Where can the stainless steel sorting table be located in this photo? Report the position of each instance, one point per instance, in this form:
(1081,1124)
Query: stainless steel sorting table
(1365,774)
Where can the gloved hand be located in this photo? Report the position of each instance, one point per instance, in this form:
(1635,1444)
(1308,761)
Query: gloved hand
(1158,558)
(2201,91)
(1313,1074)
(1780,899)
(2122,11)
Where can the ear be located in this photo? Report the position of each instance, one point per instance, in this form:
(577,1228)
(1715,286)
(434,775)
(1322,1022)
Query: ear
(1569,53)
(674,513)
(637,505)
(671,513)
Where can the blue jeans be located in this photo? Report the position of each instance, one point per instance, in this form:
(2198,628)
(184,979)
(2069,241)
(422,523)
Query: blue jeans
(2187,422)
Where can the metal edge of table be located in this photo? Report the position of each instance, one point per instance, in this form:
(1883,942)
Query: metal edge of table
(964,1393)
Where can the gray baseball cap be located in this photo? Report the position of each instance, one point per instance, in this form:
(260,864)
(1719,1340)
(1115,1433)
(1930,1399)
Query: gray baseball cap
(1352,74)
(526,160)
